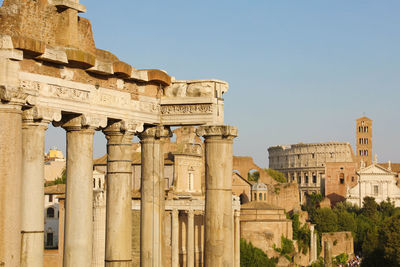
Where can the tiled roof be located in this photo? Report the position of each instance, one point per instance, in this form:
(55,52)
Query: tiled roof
(55,189)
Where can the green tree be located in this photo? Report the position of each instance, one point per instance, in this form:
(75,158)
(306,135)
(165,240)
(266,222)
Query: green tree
(251,256)
(326,220)
(253,176)
(389,239)
(370,208)
(276,175)
(346,221)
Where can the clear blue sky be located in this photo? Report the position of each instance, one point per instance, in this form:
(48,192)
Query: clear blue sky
(299,71)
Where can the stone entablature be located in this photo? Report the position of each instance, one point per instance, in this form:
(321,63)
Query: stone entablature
(52,72)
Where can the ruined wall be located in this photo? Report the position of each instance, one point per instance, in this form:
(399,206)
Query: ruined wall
(341,242)
(245,164)
(285,196)
(264,234)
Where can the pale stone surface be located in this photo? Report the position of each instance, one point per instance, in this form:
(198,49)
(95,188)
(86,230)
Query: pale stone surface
(79,194)
(174,239)
(377,182)
(218,218)
(119,184)
(10,184)
(32,225)
(340,242)
(152,196)
(190,239)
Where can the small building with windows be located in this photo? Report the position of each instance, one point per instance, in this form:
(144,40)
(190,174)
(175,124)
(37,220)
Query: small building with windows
(377,182)
(51,214)
(259,192)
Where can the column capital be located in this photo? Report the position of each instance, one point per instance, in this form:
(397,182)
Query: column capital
(40,115)
(75,122)
(13,95)
(175,212)
(217,131)
(123,127)
(155,132)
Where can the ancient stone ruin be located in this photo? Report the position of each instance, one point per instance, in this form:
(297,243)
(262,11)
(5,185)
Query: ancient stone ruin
(52,72)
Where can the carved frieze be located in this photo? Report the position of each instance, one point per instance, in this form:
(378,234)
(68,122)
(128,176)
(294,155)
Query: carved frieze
(196,88)
(186,109)
(68,92)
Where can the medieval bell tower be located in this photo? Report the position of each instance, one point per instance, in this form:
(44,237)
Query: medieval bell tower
(364,140)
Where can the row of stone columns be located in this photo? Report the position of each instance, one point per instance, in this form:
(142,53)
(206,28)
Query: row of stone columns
(190,237)
(22,197)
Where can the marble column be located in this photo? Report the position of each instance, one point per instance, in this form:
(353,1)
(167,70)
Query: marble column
(190,239)
(237,239)
(327,254)
(175,238)
(32,205)
(78,233)
(152,196)
(10,184)
(119,195)
(313,244)
(218,203)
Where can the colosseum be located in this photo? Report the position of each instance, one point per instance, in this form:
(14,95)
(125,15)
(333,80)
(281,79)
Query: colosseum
(305,163)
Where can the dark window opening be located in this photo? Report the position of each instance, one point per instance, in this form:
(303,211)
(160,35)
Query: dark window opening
(50,213)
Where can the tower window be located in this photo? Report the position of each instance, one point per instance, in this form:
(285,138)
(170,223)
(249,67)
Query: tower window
(365,152)
(366,141)
(361,152)
(360,141)
(49,241)
(376,190)
(50,213)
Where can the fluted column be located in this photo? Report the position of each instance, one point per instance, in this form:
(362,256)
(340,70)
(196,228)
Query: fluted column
(237,238)
(32,206)
(78,233)
(174,238)
(218,203)
(10,184)
(190,239)
(119,195)
(152,196)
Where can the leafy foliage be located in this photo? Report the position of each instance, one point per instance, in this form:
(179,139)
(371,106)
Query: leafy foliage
(301,234)
(277,175)
(286,249)
(375,228)
(59,180)
(251,256)
(341,259)
(253,176)
(326,220)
